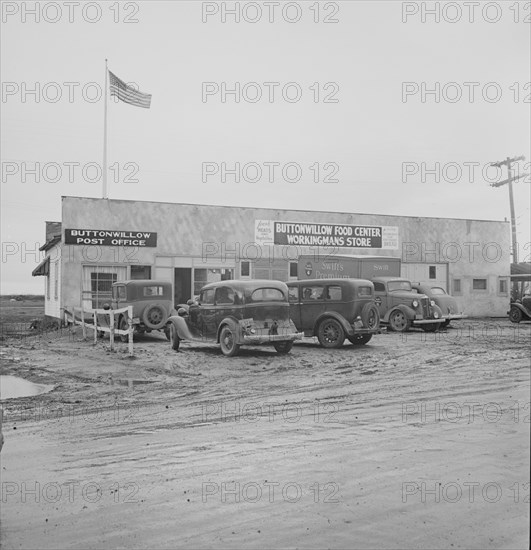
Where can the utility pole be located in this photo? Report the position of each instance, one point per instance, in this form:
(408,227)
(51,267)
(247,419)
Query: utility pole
(509,181)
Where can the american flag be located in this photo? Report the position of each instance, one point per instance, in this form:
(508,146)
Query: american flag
(128,94)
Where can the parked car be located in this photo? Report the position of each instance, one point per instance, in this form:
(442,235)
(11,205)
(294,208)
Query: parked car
(401,307)
(447,303)
(334,309)
(152,304)
(520,310)
(235,313)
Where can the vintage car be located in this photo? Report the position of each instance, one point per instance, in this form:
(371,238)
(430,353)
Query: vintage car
(447,303)
(520,310)
(152,304)
(334,309)
(235,313)
(401,307)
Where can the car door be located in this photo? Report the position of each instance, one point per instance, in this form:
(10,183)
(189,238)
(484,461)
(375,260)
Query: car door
(201,316)
(312,304)
(224,306)
(295,306)
(380,297)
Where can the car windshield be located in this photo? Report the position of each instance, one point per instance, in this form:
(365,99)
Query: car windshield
(268,295)
(399,285)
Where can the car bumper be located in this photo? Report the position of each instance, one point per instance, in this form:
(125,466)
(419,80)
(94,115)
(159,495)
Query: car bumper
(427,321)
(354,331)
(454,316)
(266,338)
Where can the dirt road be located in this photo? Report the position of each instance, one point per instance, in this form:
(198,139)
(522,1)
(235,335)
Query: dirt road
(419,441)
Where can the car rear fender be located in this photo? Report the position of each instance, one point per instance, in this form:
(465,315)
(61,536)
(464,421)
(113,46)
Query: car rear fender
(407,311)
(334,315)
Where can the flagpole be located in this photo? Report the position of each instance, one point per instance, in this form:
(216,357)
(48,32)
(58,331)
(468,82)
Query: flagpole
(104,167)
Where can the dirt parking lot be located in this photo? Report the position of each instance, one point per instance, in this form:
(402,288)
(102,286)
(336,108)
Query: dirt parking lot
(412,441)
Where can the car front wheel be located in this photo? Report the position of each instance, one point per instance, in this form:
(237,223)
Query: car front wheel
(515,315)
(283,347)
(398,322)
(227,339)
(331,334)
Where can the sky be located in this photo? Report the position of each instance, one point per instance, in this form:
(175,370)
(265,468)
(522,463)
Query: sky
(381,107)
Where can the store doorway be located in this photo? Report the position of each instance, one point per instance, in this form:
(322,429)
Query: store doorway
(182,287)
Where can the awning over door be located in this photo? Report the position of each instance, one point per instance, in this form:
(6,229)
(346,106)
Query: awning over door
(42,269)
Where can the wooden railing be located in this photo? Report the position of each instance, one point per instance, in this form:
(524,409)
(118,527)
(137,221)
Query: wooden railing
(70,317)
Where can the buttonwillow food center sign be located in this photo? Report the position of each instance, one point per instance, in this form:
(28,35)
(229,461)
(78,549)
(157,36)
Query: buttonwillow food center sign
(326,235)
(104,237)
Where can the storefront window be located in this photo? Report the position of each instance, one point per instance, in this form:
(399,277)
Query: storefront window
(205,276)
(140,272)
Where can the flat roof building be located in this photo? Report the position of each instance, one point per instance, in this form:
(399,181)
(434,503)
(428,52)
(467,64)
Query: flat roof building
(100,241)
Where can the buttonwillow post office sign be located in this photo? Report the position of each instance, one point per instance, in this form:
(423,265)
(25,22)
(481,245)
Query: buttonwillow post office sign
(105,237)
(326,234)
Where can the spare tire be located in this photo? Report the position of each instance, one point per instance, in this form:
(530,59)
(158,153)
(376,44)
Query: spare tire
(154,316)
(370,316)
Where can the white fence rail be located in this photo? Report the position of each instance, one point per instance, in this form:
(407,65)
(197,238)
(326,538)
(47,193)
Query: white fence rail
(70,317)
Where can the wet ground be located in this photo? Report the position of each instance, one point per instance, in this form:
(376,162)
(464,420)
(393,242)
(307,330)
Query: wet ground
(412,441)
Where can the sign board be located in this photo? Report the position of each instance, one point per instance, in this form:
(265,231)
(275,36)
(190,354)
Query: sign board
(105,237)
(326,235)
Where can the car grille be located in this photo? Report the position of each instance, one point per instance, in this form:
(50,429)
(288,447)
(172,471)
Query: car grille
(426,310)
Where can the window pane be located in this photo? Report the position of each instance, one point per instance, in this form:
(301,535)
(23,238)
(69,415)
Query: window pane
(313,293)
(224,295)
(293,293)
(293,269)
(457,285)
(207,297)
(437,291)
(153,291)
(399,285)
(267,295)
(246,269)
(335,293)
(380,287)
(140,272)
(364,291)
(433,272)
(479,284)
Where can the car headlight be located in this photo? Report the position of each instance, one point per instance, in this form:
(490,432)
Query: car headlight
(436,314)
(415,303)
(432,303)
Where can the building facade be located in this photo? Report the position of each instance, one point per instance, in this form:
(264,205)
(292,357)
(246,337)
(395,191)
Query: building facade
(101,241)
